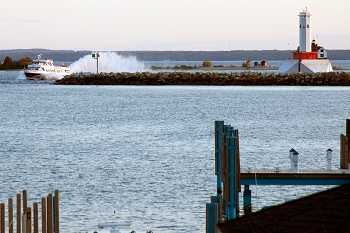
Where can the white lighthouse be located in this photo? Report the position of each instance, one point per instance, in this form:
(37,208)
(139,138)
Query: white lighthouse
(304,31)
(309,57)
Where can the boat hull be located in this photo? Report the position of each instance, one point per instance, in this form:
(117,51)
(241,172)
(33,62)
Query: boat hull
(30,74)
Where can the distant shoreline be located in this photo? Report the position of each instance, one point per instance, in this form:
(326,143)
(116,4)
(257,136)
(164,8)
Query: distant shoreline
(230,55)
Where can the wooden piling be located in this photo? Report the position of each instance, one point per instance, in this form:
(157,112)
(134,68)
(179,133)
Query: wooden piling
(25,201)
(218,128)
(344,151)
(247,200)
(207,218)
(227,165)
(2,218)
(28,217)
(223,161)
(219,202)
(18,215)
(232,185)
(43,215)
(341,159)
(10,213)
(36,217)
(238,173)
(216,218)
(49,214)
(347,128)
(211,218)
(348,136)
(238,165)
(56,212)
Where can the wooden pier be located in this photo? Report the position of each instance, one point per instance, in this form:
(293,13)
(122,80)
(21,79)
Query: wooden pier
(287,177)
(230,176)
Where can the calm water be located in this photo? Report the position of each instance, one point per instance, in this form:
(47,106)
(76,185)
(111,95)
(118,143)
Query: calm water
(148,152)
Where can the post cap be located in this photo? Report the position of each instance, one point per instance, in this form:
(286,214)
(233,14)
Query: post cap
(329,150)
(292,150)
(295,152)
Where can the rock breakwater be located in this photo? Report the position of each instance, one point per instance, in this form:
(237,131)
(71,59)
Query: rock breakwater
(209,78)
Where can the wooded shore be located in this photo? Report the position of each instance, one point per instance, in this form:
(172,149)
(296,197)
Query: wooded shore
(209,78)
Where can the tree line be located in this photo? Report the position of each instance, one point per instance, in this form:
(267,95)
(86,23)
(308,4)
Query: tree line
(9,64)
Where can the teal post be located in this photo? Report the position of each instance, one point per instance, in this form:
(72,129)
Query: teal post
(225,135)
(237,170)
(247,200)
(228,129)
(218,155)
(217,200)
(234,133)
(231,214)
(211,217)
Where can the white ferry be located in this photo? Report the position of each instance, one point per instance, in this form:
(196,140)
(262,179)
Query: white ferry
(44,67)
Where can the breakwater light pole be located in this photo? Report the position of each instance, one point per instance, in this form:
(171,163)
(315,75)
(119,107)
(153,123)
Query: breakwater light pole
(96,56)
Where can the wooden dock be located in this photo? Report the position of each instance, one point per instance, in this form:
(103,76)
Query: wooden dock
(288,177)
(230,176)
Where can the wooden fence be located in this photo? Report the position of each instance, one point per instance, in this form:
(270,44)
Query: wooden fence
(27,218)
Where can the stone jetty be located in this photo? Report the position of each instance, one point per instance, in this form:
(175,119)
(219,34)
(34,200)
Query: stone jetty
(209,78)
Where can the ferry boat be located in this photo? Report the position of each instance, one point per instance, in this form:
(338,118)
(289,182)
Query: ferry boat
(44,67)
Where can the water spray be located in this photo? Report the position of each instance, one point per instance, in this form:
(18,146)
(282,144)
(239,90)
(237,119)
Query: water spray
(107,62)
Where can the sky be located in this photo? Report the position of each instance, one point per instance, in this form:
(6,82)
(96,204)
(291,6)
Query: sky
(170,25)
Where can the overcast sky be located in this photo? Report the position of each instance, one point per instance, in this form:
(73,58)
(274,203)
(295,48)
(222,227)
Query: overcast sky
(114,25)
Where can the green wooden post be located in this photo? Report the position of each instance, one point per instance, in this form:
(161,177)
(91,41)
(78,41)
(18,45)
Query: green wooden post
(211,219)
(247,200)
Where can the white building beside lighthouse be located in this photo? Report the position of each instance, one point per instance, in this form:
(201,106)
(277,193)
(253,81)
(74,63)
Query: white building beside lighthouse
(309,57)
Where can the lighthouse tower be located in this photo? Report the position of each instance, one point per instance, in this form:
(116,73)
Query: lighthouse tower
(304,31)
(309,57)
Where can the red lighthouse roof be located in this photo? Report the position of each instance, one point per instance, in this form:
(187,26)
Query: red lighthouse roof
(297,55)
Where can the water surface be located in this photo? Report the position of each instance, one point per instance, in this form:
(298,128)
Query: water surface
(147,152)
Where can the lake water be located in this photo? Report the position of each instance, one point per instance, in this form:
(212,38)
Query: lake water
(147,152)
